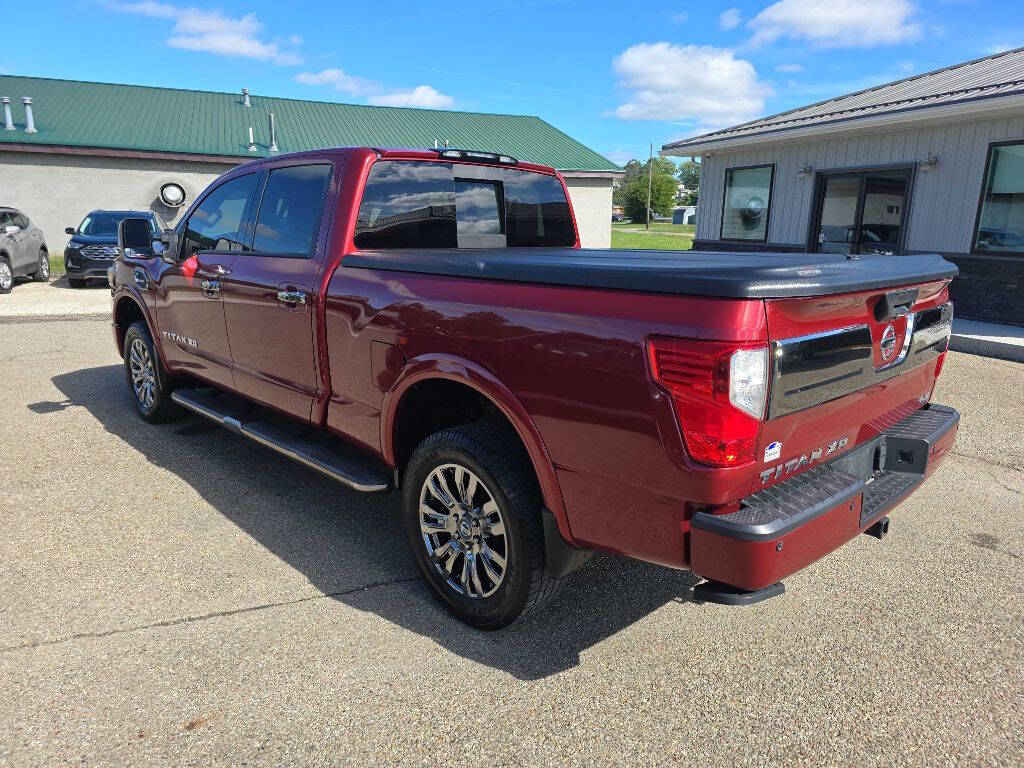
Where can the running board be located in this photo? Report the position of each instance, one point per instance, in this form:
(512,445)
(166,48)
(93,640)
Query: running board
(314,448)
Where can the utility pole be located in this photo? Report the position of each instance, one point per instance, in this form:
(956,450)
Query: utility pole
(650,179)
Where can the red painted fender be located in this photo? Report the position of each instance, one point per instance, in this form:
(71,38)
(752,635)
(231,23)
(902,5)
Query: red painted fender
(465,372)
(127,293)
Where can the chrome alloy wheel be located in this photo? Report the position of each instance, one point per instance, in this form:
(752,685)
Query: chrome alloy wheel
(463,531)
(44,266)
(6,276)
(143,373)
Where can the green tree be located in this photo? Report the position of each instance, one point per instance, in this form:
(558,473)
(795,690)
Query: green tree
(663,196)
(635,170)
(689,177)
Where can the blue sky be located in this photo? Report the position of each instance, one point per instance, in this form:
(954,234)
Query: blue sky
(615,75)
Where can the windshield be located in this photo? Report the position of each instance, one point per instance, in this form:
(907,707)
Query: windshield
(101,223)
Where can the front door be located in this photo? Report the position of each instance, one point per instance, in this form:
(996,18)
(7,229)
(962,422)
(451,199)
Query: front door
(861,212)
(190,312)
(269,291)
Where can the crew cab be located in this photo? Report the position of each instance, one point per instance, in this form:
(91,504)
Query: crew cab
(425,320)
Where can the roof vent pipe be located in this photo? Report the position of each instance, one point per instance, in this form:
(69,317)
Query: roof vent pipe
(30,125)
(8,120)
(252,141)
(245,97)
(273,134)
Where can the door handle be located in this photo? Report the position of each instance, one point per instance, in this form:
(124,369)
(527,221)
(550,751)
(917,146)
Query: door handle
(291,297)
(210,286)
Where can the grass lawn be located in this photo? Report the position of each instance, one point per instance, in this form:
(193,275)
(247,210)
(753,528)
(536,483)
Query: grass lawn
(662,236)
(57,263)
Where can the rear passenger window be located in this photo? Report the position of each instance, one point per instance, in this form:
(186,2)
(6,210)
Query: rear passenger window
(290,211)
(218,223)
(407,205)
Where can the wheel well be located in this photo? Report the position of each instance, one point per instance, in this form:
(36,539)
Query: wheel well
(125,313)
(437,404)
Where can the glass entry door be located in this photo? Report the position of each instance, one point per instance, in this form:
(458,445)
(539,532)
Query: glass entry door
(861,212)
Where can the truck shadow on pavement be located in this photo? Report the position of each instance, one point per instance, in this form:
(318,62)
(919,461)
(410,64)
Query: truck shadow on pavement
(350,546)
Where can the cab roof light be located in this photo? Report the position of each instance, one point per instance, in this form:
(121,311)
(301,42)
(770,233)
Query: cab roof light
(479,157)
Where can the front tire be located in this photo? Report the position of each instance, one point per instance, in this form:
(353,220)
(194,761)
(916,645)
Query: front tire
(147,381)
(6,275)
(42,274)
(472,513)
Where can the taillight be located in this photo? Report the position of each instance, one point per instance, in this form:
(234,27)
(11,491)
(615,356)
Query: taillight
(719,391)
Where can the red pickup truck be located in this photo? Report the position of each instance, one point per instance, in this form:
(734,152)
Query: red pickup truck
(425,320)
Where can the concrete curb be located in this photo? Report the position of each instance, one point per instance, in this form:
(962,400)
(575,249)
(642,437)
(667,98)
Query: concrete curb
(1005,342)
(973,345)
(12,319)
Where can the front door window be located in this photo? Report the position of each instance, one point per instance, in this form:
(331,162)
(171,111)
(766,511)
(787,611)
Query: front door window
(862,212)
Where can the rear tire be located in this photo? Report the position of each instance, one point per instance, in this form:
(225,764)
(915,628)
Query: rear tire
(76,282)
(472,513)
(147,381)
(42,274)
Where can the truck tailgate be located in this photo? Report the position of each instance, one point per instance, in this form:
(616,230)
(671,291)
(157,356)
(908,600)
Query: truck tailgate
(846,367)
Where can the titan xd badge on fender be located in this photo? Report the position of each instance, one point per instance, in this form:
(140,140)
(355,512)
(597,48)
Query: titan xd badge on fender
(789,467)
(180,340)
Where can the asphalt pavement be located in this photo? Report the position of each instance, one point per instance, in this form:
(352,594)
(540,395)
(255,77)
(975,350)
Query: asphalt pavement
(177,595)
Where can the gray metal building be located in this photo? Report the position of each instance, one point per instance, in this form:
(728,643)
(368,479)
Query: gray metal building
(934,162)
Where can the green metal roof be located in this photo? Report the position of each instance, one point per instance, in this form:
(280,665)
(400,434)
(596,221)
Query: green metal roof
(81,114)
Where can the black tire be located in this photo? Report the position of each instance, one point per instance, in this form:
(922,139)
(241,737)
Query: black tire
(76,282)
(494,454)
(154,403)
(6,275)
(42,274)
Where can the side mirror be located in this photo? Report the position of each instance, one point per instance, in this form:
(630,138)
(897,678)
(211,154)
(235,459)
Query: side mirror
(70,230)
(134,235)
(12,229)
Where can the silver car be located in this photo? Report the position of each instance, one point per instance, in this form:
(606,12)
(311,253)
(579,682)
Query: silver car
(23,251)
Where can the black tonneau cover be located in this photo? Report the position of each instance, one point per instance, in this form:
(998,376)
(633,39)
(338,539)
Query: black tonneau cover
(699,273)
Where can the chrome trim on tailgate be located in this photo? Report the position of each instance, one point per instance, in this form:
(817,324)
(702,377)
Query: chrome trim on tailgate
(819,367)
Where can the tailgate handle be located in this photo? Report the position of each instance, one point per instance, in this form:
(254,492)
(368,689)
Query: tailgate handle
(895,304)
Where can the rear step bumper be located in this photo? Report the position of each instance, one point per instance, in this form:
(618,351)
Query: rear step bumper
(788,526)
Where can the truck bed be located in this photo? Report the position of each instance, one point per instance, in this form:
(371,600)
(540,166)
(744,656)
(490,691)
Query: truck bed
(759,275)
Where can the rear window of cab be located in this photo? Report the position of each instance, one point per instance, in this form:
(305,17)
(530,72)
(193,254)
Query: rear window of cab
(414,204)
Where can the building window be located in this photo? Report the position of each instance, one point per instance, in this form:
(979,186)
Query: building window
(1001,219)
(748,193)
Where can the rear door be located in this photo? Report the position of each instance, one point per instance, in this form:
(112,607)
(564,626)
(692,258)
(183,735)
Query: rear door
(190,312)
(269,291)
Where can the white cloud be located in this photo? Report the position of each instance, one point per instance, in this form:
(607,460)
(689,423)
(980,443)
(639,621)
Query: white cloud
(421,96)
(707,85)
(350,84)
(789,68)
(620,156)
(837,24)
(730,19)
(196,29)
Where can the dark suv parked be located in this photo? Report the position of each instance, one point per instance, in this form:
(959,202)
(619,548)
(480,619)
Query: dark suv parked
(93,244)
(22,249)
